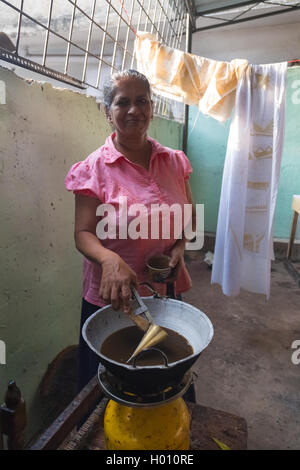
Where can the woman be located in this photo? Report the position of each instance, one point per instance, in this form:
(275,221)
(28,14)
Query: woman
(138,169)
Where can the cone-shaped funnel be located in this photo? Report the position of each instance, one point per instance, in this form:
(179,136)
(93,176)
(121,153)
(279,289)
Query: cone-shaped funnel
(155,334)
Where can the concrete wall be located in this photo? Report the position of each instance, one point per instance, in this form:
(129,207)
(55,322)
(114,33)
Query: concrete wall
(258,42)
(208,139)
(43,131)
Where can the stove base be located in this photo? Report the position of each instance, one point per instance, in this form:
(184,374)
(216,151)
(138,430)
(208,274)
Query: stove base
(121,393)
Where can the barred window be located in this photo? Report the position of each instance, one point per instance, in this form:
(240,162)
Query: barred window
(80,42)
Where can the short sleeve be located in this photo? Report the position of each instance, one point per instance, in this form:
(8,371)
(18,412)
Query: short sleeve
(83,179)
(184,164)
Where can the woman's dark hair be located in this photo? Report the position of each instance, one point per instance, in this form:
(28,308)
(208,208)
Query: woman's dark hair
(109,87)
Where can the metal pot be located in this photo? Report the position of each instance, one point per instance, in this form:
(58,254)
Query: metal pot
(179,316)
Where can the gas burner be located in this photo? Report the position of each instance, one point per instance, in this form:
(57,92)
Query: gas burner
(115,389)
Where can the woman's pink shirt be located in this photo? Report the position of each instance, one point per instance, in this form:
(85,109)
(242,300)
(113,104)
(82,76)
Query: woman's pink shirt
(107,175)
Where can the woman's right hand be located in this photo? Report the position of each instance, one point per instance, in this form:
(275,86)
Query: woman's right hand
(117,277)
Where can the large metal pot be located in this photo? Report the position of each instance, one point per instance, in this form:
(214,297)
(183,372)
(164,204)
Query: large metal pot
(179,316)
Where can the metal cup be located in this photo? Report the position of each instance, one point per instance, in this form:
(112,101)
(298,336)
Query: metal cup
(158,268)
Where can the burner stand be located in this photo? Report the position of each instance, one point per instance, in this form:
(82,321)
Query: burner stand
(117,391)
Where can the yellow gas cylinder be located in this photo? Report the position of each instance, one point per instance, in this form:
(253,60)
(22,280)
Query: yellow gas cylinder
(147,428)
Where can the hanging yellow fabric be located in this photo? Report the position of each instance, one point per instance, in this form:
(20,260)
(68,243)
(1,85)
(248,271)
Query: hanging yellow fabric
(208,84)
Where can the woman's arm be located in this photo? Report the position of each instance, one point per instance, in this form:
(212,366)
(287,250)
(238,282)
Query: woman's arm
(117,276)
(85,229)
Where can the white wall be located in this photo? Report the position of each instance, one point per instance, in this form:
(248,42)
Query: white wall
(258,42)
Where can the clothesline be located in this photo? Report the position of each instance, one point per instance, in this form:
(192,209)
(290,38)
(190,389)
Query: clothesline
(292,62)
(256,95)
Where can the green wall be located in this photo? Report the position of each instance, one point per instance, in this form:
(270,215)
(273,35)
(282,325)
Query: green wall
(207,148)
(289,182)
(168,133)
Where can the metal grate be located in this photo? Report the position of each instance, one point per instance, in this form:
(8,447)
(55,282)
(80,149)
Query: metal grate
(80,42)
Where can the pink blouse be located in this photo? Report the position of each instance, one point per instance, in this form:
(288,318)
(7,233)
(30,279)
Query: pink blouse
(106,175)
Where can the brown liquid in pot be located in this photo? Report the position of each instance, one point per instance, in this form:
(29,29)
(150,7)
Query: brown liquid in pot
(120,345)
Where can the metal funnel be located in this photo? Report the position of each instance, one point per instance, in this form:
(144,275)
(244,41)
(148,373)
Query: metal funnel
(154,334)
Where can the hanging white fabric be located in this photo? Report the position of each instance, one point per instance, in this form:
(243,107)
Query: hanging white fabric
(189,78)
(244,245)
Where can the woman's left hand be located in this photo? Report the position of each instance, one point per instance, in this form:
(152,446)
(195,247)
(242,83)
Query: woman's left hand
(176,261)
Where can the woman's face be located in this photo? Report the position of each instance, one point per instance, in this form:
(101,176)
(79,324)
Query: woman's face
(131,109)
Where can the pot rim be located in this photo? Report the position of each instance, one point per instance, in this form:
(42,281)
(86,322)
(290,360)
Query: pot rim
(153,367)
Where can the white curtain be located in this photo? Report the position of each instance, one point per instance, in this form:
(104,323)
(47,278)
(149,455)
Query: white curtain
(244,245)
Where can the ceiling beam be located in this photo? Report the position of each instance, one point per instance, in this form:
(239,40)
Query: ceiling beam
(228,7)
(243,20)
(190,6)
